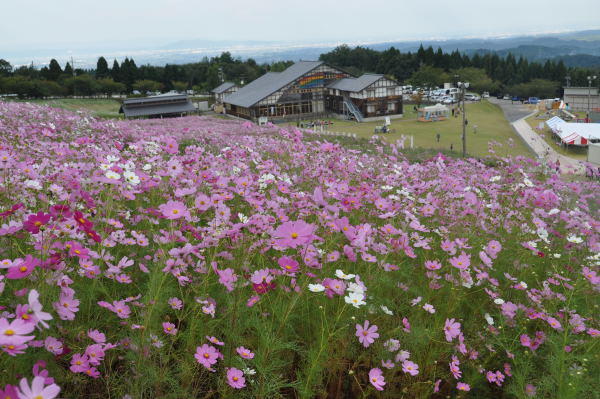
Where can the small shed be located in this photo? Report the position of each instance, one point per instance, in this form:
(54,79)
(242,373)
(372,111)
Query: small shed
(163,105)
(433,113)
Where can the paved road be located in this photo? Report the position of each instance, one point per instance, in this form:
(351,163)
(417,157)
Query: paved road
(513,112)
(516,114)
(544,151)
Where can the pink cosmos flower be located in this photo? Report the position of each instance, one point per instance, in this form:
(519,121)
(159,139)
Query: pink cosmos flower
(235,378)
(451,329)
(410,367)
(169,328)
(36,307)
(95,354)
(13,333)
(366,335)
(530,390)
(215,340)
(9,391)
(53,345)
(462,261)
(79,363)
(23,268)
(174,210)
(37,389)
(97,336)
(207,355)
(175,303)
(36,221)
(376,378)
(288,264)
(433,265)
(461,386)
(245,353)
(292,234)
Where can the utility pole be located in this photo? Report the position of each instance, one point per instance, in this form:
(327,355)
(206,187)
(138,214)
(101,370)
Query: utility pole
(589,78)
(73,68)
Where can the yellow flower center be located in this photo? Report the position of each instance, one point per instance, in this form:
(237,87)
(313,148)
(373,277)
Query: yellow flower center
(175,211)
(9,333)
(23,269)
(294,235)
(206,355)
(38,223)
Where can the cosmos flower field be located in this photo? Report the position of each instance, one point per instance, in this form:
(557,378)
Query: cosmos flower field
(198,257)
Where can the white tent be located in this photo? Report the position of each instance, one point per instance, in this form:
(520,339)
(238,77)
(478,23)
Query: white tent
(580,134)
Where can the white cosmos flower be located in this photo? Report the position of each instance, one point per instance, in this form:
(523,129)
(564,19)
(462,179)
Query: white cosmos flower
(147,167)
(316,288)
(523,284)
(33,184)
(429,308)
(112,159)
(353,287)
(528,182)
(489,319)
(344,276)
(243,218)
(386,310)
(355,299)
(494,178)
(498,301)
(105,166)
(112,175)
(553,211)
(574,239)
(131,177)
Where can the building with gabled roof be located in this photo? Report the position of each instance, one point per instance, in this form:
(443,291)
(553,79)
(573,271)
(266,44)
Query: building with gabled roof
(223,90)
(370,96)
(303,90)
(163,105)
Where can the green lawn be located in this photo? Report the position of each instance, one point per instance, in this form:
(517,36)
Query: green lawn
(100,107)
(550,138)
(489,119)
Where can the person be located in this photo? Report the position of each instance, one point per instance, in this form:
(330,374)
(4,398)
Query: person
(474,129)
(453,110)
(451,147)
(437,136)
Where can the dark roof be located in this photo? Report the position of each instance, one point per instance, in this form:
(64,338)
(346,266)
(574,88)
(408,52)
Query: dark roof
(163,104)
(223,87)
(159,98)
(269,83)
(355,84)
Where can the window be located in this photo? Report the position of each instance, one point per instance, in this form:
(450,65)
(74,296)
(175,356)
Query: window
(370,108)
(391,107)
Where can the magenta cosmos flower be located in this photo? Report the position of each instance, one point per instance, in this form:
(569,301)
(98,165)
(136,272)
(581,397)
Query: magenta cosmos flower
(13,333)
(36,221)
(235,378)
(207,355)
(461,261)
(451,329)
(461,386)
(376,378)
(174,210)
(37,389)
(292,234)
(288,264)
(366,335)
(23,269)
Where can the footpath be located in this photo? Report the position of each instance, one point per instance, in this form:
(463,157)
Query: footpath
(544,151)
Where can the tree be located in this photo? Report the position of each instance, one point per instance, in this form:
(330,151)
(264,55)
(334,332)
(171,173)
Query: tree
(5,68)
(145,86)
(428,76)
(179,86)
(102,70)
(478,80)
(116,72)
(68,70)
(109,87)
(54,70)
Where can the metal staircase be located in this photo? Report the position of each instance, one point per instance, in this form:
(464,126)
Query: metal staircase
(349,105)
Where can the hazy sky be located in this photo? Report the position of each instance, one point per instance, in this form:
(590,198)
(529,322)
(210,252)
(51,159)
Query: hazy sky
(44,23)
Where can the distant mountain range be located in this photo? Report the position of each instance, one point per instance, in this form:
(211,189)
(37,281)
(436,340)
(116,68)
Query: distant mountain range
(574,48)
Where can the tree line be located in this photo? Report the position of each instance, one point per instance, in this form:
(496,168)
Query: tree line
(485,72)
(127,77)
(423,68)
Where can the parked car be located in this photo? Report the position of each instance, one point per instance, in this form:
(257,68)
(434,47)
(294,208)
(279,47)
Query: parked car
(485,94)
(499,96)
(533,100)
(516,98)
(472,97)
(506,97)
